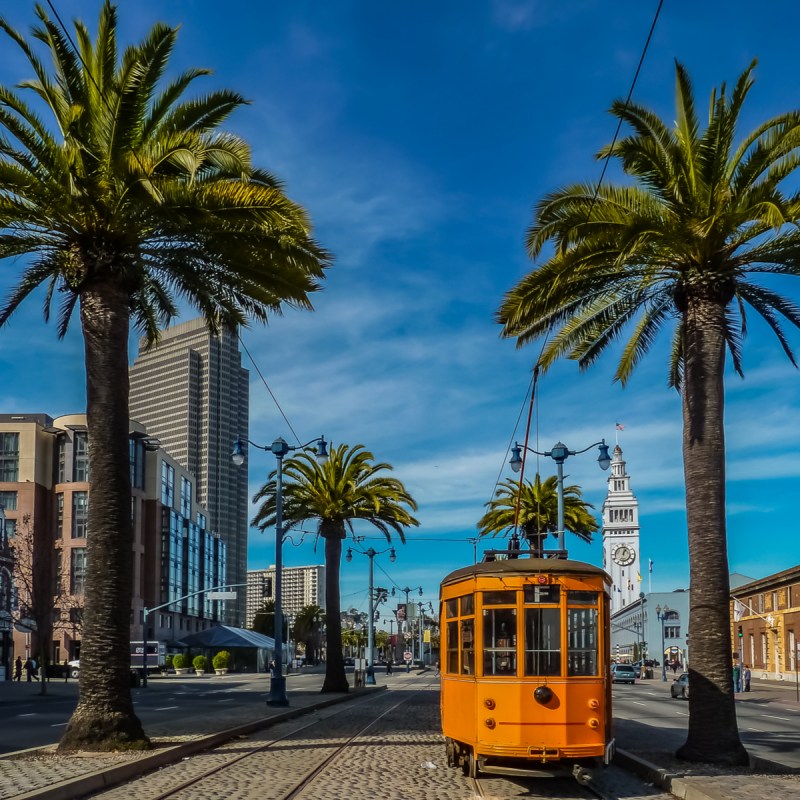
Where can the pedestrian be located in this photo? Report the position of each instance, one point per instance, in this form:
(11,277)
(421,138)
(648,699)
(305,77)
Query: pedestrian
(675,666)
(389,667)
(737,678)
(66,670)
(29,669)
(18,669)
(746,676)
(437,670)
(35,665)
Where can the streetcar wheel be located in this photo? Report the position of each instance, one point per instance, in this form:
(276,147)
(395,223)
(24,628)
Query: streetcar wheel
(450,749)
(470,764)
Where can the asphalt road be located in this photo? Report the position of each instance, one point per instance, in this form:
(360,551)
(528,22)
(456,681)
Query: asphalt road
(31,720)
(768,718)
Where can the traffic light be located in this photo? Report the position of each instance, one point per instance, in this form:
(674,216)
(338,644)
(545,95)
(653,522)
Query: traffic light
(266,586)
(740,632)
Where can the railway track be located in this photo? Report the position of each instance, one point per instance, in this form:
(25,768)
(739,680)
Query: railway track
(386,746)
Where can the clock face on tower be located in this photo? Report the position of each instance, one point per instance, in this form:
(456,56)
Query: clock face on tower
(623,555)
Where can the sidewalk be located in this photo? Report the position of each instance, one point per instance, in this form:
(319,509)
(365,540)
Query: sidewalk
(50,777)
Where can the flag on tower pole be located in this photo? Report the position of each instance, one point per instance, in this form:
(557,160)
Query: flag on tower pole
(620,427)
(617,428)
(650,577)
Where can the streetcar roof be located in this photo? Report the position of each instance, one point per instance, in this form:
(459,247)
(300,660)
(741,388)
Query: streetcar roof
(525,566)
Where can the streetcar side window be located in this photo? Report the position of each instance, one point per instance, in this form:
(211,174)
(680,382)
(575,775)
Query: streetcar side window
(452,648)
(467,605)
(451,607)
(542,641)
(581,598)
(500,639)
(467,646)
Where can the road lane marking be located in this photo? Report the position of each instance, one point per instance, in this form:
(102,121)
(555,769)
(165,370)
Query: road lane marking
(638,703)
(225,700)
(757,730)
(769,716)
(165,708)
(32,714)
(59,725)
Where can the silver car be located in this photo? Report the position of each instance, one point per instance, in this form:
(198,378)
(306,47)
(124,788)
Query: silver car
(680,686)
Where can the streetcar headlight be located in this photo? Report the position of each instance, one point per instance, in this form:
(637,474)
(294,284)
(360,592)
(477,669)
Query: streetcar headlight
(594,723)
(489,723)
(489,703)
(594,704)
(543,694)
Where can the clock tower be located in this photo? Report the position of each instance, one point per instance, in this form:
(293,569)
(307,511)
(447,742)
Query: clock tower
(621,555)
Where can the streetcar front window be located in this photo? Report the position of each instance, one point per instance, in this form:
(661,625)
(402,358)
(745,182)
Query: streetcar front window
(499,638)
(582,640)
(452,648)
(451,607)
(542,641)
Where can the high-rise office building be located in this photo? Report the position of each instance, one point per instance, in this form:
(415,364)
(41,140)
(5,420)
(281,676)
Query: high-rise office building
(191,392)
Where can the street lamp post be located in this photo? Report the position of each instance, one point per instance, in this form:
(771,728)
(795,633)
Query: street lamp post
(277,688)
(560,453)
(407,590)
(661,613)
(370,554)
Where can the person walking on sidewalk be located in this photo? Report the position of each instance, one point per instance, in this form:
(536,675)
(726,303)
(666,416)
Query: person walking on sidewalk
(29,668)
(18,669)
(746,677)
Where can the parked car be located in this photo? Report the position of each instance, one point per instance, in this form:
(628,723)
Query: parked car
(349,662)
(75,671)
(680,686)
(623,673)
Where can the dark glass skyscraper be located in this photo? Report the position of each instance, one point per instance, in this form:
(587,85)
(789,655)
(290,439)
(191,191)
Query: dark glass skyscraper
(192,393)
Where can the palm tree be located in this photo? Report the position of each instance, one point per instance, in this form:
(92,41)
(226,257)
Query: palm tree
(348,487)
(683,244)
(306,630)
(131,199)
(538,511)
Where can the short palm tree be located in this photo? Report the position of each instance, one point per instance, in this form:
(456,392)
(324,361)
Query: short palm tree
(538,511)
(130,199)
(349,486)
(681,246)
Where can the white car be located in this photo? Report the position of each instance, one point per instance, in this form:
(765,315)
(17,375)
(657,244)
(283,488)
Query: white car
(74,668)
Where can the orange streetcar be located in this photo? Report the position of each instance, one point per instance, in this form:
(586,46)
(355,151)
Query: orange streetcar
(525,666)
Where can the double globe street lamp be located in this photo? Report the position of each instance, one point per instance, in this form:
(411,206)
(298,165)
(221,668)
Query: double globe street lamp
(560,453)
(370,554)
(277,688)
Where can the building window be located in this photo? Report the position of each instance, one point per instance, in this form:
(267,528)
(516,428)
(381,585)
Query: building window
(80,508)
(167,484)
(8,501)
(59,515)
(80,456)
(186,498)
(672,631)
(78,570)
(201,521)
(9,457)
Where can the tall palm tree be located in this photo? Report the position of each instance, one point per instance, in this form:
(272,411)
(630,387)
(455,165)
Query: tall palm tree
(128,200)
(680,247)
(349,486)
(538,511)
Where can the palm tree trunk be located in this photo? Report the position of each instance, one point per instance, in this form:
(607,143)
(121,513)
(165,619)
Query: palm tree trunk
(335,678)
(104,718)
(713,733)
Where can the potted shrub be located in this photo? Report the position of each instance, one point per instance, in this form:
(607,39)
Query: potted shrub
(221,662)
(200,663)
(180,663)
(167,664)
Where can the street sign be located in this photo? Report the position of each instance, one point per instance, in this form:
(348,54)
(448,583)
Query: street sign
(221,595)
(408,656)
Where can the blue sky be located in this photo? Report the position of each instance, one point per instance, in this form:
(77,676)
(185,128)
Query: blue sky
(419,136)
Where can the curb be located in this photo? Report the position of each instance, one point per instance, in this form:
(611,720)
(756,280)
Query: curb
(678,783)
(105,779)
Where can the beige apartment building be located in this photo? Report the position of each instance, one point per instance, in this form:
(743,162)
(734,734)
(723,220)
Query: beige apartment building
(44,490)
(300,587)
